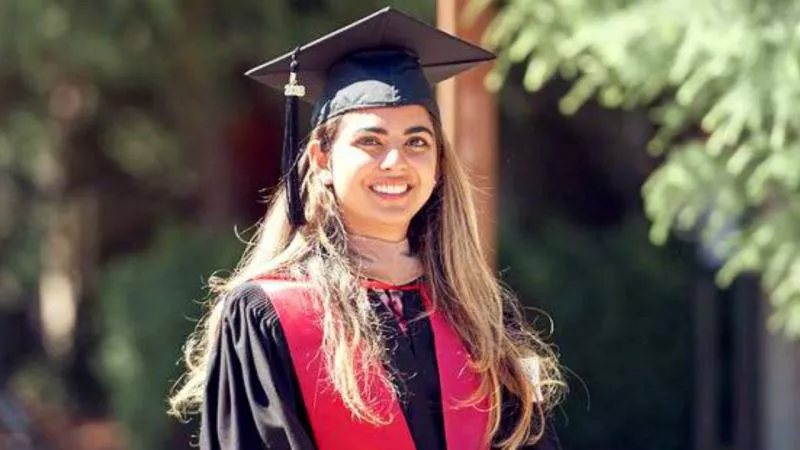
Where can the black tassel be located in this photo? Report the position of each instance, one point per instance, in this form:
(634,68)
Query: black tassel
(291,173)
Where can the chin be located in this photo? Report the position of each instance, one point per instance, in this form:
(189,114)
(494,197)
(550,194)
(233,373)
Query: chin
(383,216)
(396,215)
(392,220)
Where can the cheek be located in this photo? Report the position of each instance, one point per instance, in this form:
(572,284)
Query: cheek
(349,167)
(426,168)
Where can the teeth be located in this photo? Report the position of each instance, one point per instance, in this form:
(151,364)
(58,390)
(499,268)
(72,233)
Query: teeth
(390,188)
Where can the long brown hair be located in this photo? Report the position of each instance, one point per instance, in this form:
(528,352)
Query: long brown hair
(507,354)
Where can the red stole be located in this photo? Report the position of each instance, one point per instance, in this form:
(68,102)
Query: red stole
(332,423)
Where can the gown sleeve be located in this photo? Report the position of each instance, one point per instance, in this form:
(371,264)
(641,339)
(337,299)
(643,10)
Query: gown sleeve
(550,439)
(510,416)
(252,400)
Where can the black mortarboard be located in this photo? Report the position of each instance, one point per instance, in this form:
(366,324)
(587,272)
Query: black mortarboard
(385,59)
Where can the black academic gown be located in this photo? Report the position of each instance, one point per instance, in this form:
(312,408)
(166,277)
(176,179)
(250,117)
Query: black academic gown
(252,397)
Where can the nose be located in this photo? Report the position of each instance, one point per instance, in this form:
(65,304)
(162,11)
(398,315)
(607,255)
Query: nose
(393,160)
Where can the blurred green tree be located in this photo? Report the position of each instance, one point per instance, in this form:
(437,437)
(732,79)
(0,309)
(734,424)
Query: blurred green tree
(146,314)
(722,80)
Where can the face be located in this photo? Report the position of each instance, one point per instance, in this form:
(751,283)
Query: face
(382,167)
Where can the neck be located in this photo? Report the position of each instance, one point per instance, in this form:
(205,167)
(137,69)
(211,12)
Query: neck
(385,260)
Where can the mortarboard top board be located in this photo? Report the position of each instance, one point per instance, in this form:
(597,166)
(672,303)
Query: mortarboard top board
(438,55)
(384,59)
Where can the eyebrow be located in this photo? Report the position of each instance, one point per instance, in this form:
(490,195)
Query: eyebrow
(419,129)
(382,131)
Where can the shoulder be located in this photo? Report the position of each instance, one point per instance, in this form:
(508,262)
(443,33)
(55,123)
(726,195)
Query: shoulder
(256,302)
(248,306)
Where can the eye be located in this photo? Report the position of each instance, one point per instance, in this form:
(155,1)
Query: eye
(368,141)
(418,142)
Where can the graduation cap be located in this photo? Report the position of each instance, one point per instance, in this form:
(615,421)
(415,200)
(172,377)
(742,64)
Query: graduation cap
(384,59)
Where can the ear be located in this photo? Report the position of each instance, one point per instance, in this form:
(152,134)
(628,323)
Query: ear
(319,162)
(319,158)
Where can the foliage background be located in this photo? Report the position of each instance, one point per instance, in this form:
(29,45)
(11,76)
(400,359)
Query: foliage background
(721,79)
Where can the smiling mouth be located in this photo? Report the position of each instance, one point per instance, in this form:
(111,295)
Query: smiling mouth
(390,189)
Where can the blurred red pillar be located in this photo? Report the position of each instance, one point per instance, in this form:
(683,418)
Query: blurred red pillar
(469,115)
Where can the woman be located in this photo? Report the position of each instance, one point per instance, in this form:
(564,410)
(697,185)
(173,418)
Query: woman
(366,317)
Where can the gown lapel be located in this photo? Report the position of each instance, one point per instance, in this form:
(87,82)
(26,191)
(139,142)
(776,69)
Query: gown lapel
(412,367)
(465,424)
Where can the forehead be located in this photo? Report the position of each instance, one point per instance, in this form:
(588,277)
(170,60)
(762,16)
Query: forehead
(400,117)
